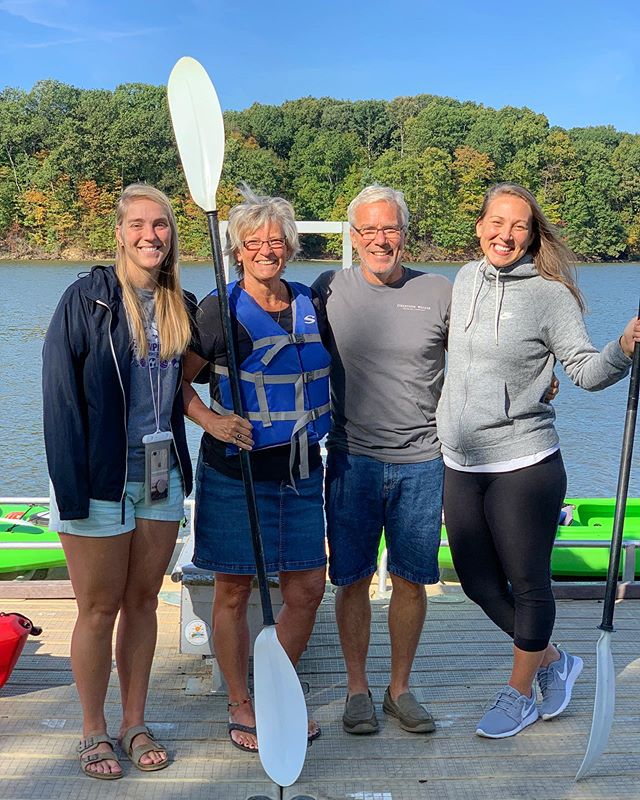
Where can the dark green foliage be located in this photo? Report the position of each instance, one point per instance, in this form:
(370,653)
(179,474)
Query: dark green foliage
(66,153)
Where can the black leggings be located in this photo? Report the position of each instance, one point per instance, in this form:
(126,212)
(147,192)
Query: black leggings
(501,527)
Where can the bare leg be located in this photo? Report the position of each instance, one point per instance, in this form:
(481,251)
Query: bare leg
(231,646)
(151,548)
(407,612)
(98,572)
(302,593)
(525,665)
(353,615)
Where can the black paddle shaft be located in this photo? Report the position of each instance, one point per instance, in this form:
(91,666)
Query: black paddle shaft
(621,494)
(234,382)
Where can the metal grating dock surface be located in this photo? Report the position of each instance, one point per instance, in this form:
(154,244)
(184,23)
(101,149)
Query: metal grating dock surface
(462,660)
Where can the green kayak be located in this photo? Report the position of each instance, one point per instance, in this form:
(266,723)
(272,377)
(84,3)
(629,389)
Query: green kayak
(584,520)
(25,540)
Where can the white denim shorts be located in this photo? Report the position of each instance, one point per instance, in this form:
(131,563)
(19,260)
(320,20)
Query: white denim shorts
(105,516)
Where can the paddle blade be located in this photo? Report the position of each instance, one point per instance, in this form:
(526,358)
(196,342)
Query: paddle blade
(280,708)
(603,706)
(199,129)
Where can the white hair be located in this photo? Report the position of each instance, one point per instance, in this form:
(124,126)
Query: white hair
(376,194)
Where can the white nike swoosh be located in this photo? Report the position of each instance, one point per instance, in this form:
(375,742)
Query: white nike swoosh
(563,674)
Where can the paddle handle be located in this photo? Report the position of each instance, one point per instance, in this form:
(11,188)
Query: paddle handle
(234,383)
(621,494)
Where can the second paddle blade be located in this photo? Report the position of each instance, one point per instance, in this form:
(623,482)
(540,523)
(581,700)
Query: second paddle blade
(281,711)
(604,704)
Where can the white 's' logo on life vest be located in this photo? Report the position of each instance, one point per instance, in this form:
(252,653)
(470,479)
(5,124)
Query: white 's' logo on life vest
(309,319)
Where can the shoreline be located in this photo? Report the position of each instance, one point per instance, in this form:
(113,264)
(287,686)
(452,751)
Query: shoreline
(7,260)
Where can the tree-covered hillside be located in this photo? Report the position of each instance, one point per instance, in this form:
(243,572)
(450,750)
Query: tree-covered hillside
(66,153)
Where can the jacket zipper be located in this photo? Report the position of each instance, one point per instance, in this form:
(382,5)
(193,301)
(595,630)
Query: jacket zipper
(124,405)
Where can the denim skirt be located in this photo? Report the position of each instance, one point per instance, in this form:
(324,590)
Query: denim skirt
(291,524)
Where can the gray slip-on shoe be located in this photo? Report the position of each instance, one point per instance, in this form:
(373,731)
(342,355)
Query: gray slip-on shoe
(410,714)
(360,714)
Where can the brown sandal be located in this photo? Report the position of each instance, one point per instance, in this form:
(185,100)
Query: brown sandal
(94,758)
(136,753)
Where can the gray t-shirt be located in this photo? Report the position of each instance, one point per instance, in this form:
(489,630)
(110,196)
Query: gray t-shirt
(143,388)
(387,346)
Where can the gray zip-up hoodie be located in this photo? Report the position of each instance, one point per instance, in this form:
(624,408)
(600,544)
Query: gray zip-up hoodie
(508,327)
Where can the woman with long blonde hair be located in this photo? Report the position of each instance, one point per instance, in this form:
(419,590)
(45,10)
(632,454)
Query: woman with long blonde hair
(119,464)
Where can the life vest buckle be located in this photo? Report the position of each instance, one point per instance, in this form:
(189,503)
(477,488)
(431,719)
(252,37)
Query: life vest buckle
(297,338)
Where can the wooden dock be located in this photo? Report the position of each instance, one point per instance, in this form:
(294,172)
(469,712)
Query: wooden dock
(462,661)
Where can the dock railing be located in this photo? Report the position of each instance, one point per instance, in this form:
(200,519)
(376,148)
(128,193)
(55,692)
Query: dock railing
(315,226)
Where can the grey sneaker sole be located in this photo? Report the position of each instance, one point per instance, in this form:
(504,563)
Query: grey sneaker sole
(529,720)
(572,677)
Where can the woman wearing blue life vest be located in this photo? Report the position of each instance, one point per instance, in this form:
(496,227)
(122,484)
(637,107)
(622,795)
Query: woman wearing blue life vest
(284,376)
(514,313)
(119,464)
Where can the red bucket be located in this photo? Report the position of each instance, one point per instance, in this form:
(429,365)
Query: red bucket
(14,629)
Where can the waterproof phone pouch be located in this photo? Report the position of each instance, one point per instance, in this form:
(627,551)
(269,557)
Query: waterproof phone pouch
(157,458)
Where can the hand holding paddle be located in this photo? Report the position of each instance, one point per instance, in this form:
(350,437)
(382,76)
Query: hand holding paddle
(280,708)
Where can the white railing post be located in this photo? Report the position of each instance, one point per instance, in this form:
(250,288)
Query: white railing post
(347,250)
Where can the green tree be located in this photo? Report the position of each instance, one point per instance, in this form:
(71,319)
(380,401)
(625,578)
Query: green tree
(318,164)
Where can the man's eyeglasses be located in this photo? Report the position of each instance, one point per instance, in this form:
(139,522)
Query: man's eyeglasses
(256,244)
(390,232)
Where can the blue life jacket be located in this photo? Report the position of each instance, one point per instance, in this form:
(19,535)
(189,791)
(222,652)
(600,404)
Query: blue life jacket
(284,382)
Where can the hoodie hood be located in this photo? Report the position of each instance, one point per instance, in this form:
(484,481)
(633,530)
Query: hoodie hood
(101,284)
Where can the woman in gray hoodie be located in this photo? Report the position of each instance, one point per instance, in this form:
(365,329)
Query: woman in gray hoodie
(514,314)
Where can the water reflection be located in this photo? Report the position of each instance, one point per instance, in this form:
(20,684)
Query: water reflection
(590,424)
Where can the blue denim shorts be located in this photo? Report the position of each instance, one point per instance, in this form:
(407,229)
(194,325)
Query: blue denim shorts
(363,496)
(105,516)
(291,524)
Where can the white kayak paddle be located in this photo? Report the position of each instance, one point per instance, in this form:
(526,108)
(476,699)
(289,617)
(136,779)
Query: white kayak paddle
(280,708)
(605,699)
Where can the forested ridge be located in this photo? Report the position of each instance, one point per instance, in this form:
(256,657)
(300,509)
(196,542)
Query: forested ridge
(66,153)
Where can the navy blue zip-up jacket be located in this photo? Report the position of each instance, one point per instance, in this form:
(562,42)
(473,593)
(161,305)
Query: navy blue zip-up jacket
(85,384)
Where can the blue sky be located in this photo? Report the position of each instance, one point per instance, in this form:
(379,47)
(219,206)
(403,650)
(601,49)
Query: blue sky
(576,62)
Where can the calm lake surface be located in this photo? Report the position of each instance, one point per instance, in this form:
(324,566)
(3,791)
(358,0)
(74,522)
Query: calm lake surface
(590,425)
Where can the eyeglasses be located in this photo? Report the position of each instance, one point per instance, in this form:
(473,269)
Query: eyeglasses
(390,232)
(256,244)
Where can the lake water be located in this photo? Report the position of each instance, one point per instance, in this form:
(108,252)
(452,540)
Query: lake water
(590,424)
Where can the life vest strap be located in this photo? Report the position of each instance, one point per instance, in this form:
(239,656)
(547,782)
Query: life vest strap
(277,416)
(280,341)
(250,377)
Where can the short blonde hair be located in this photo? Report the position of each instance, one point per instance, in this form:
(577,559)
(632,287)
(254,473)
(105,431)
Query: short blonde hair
(254,212)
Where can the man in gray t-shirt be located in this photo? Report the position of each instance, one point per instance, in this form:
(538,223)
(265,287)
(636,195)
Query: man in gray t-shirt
(388,328)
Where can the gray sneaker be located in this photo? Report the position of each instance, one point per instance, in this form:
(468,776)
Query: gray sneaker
(508,714)
(556,683)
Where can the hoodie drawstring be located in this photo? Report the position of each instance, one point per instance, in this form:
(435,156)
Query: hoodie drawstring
(475,294)
(498,303)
